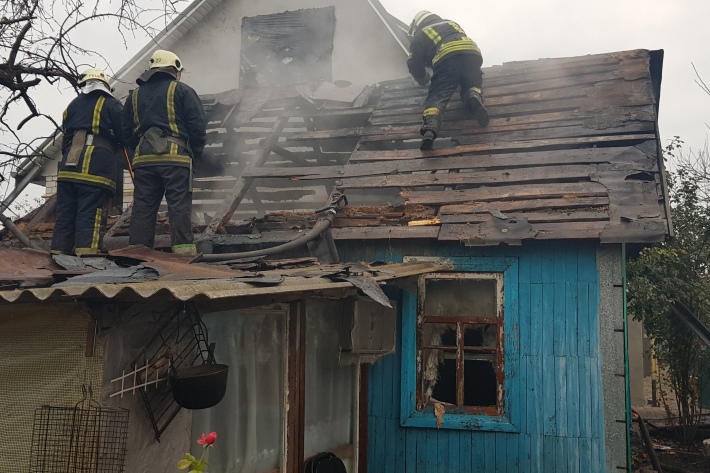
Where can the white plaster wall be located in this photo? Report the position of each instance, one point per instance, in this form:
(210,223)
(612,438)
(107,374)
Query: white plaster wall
(364,51)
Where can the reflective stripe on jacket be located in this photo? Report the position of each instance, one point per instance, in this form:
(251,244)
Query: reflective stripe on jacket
(436,40)
(99,114)
(173,107)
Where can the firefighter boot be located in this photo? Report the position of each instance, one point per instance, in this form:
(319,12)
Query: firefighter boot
(474,102)
(430,127)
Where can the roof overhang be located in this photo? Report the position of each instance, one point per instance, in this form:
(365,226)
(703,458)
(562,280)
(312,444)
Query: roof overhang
(292,287)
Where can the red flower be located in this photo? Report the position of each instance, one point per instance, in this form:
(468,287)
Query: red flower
(209,440)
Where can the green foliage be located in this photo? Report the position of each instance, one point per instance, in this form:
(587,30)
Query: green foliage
(190,461)
(677,271)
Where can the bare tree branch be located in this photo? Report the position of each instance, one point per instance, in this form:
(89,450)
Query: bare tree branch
(699,80)
(40,42)
(10,21)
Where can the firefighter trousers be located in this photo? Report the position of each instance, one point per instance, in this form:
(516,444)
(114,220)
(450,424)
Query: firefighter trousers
(151,184)
(81,218)
(463,70)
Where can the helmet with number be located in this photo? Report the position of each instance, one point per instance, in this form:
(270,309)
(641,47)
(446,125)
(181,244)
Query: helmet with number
(93,74)
(162,58)
(418,20)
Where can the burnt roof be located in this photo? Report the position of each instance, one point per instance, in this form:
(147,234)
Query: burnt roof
(572,151)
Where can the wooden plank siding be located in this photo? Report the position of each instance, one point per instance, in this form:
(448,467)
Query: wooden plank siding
(557,362)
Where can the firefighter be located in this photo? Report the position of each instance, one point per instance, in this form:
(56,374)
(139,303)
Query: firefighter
(456,62)
(86,181)
(164,122)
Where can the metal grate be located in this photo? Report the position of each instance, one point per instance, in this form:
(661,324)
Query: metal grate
(79,440)
(180,340)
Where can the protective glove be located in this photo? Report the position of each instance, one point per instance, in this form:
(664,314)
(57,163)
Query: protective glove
(423,81)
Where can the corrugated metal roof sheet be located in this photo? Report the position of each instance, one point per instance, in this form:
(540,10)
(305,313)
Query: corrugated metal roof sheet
(213,288)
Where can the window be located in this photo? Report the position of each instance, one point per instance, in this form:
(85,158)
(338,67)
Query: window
(287,48)
(250,418)
(459,354)
(459,342)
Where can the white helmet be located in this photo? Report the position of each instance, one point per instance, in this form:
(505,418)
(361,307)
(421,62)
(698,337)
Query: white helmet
(93,73)
(418,20)
(162,58)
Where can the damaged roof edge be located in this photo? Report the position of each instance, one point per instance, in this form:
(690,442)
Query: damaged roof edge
(656,71)
(210,289)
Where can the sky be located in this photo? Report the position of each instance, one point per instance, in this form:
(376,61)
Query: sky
(517,30)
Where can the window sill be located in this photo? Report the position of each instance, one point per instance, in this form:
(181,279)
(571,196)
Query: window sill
(427,420)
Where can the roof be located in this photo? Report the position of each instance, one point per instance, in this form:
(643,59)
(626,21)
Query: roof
(138,273)
(572,152)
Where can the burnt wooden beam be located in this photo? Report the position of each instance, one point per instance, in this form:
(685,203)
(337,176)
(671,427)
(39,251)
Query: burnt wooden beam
(533,217)
(506,193)
(569,202)
(385,233)
(568,172)
(490,232)
(295,158)
(623,155)
(340,112)
(530,145)
(624,158)
(241,186)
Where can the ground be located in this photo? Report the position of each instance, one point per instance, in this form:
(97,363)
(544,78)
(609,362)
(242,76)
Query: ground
(673,457)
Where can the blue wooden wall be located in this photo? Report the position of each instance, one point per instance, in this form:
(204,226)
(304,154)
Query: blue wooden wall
(561,427)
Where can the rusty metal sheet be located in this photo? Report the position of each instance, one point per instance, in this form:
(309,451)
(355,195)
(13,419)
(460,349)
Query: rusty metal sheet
(262,280)
(26,266)
(179,271)
(133,274)
(143,253)
(208,289)
(366,284)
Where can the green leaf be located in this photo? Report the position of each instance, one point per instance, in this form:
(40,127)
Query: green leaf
(184,464)
(189,457)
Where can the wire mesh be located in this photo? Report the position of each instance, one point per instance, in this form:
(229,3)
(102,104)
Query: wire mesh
(79,440)
(182,337)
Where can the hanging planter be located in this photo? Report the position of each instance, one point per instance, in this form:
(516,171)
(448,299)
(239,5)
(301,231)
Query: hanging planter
(199,387)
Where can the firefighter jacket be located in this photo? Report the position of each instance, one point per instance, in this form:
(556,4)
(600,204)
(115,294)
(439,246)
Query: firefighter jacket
(435,40)
(98,115)
(171,108)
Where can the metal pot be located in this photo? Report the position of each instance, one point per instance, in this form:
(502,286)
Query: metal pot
(199,387)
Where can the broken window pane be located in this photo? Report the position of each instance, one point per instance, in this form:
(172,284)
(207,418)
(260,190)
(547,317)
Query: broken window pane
(460,298)
(287,48)
(459,341)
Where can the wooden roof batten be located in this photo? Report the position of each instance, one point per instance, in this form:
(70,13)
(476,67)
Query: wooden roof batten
(571,152)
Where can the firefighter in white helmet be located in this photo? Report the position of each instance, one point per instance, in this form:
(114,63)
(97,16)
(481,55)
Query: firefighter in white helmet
(91,128)
(456,61)
(164,123)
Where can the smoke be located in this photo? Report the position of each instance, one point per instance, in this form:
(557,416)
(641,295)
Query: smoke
(275,49)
